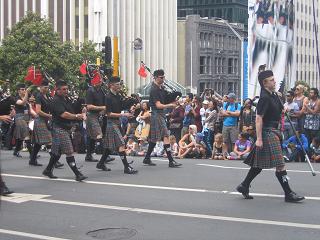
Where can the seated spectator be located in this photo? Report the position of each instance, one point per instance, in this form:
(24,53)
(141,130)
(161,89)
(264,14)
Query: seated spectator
(188,142)
(315,149)
(242,147)
(293,148)
(174,147)
(132,148)
(200,150)
(219,148)
(142,147)
(158,150)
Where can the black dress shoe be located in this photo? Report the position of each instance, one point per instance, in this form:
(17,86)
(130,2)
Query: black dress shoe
(244,191)
(58,164)
(49,174)
(103,167)
(109,159)
(6,191)
(35,164)
(17,154)
(293,197)
(90,159)
(147,161)
(174,164)
(130,170)
(80,177)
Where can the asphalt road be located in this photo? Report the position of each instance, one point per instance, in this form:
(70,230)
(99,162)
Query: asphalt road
(197,201)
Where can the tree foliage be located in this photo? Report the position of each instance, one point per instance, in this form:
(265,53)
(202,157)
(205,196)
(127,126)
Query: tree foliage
(32,41)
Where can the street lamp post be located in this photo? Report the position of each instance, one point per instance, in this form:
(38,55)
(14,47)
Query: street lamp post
(242,58)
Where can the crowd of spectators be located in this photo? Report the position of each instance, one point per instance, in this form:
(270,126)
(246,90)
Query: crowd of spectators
(221,127)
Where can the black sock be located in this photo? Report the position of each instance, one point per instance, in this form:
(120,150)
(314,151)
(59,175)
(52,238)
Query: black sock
(18,145)
(253,172)
(52,161)
(284,181)
(168,152)
(29,147)
(150,149)
(123,157)
(104,156)
(72,164)
(35,151)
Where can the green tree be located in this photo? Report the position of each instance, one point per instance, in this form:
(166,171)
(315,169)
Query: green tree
(33,41)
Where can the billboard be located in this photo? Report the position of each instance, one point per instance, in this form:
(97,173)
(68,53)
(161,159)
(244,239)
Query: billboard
(271,41)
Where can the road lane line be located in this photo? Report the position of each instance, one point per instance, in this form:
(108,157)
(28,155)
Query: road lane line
(111,183)
(184,214)
(199,190)
(246,168)
(29,235)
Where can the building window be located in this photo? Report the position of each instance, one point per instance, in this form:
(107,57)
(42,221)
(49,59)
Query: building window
(202,65)
(230,66)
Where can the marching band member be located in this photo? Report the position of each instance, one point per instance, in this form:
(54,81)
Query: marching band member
(62,122)
(158,128)
(113,140)
(23,111)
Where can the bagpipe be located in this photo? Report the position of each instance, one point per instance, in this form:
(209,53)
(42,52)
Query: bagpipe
(95,74)
(172,94)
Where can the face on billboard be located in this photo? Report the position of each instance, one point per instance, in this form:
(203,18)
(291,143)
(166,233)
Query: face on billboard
(270,41)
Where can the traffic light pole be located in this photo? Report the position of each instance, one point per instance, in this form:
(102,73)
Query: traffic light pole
(115,40)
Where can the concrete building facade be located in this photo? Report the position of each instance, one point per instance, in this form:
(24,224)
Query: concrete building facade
(153,21)
(209,55)
(305,42)
(232,10)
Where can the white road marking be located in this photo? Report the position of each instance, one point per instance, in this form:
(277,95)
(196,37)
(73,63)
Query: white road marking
(23,197)
(246,168)
(29,235)
(183,214)
(199,190)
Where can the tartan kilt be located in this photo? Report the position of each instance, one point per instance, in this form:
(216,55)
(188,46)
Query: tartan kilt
(93,126)
(61,141)
(158,126)
(112,138)
(270,155)
(41,134)
(21,130)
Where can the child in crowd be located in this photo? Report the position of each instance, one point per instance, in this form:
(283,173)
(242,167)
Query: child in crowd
(219,148)
(315,149)
(132,147)
(174,146)
(242,147)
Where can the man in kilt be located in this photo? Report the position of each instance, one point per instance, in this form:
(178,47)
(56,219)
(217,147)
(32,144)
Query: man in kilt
(158,126)
(113,139)
(268,152)
(4,190)
(95,100)
(62,122)
(41,133)
(23,112)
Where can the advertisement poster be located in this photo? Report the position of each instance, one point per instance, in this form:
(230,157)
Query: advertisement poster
(270,41)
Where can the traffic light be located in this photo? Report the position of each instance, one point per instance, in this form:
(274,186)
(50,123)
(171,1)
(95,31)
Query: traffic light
(107,50)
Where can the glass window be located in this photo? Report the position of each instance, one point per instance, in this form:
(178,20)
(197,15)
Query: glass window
(202,64)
